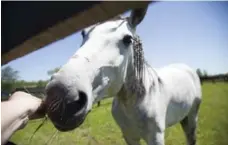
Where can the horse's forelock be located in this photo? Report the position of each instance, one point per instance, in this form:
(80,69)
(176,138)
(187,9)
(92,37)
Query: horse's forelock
(118,17)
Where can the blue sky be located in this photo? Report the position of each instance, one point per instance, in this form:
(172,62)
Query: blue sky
(195,33)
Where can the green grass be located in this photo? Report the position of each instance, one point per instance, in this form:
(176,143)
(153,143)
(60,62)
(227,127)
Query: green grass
(100,129)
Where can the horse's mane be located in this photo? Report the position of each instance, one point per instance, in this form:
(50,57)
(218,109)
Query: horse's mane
(134,84)
(135,80)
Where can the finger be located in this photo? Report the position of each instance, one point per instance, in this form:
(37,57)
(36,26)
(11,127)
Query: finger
(19,94)
(39,113)
(36,116)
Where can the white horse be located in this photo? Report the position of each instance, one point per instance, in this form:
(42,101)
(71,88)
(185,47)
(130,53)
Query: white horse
(110,62)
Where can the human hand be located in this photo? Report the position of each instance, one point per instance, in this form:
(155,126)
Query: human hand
(17,111)
(34,105)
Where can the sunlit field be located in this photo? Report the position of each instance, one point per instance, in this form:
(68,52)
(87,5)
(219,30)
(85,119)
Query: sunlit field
(100,129)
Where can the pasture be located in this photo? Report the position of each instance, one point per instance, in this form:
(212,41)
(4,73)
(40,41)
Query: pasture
(100,129)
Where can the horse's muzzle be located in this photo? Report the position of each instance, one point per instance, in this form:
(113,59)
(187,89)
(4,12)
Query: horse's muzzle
(66,110)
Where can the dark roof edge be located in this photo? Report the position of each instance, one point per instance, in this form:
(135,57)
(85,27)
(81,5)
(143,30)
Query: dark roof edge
(99,12)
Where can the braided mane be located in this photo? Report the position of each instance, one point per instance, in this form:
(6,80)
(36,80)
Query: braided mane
(134,84)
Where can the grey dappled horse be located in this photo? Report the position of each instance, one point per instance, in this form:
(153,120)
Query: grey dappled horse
(110,62)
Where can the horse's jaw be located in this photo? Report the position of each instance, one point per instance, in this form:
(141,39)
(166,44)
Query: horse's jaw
(99,91)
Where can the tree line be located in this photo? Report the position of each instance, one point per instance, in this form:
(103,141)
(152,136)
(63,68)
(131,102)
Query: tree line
(10,79)
(204,76)
(10,82)
(201,73)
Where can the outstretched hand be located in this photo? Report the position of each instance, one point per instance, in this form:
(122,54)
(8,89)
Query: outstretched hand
(35,106)
(17,111)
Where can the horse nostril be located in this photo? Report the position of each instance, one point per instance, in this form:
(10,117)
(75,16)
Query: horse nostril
(82,97)
(77,107)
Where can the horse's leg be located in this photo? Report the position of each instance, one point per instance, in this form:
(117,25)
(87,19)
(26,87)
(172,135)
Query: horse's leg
(130,140)
(156,131)
(98,103)
(189,123)
(156,138)
(130,137)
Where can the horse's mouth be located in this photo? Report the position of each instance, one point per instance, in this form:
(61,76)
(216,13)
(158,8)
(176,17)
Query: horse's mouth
(64,112)
(70,124)
(65,128)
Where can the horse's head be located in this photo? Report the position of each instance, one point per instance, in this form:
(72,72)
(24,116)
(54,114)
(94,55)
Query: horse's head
(97,69)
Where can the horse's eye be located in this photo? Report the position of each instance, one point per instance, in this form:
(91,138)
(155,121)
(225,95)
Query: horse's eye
(127,40)
(83,33)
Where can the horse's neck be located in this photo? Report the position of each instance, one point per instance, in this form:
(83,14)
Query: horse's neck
(152,81)
(135,90)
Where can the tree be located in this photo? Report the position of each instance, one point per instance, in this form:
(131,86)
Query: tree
(8,77)
(198,71)
(7,86)
(51,72)
(41,83)
(205,73)
(9,74)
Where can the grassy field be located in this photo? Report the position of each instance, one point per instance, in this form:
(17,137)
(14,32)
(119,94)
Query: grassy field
(100,128)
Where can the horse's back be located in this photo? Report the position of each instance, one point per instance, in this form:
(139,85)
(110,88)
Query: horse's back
(183,87)
(180,76)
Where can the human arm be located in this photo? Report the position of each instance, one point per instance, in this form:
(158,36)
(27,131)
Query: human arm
(16,112)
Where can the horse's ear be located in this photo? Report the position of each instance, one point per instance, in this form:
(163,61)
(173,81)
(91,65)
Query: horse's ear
(137,16)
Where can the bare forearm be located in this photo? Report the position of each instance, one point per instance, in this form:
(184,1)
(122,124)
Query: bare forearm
(14,115)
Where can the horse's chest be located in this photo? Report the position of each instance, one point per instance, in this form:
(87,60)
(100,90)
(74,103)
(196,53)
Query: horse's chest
(130,119)
(135,116)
